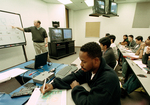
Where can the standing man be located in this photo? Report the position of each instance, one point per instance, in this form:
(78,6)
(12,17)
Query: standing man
(102,79)
(108,53)
(39,37)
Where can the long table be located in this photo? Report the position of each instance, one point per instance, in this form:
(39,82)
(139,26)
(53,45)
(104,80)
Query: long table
(145,82)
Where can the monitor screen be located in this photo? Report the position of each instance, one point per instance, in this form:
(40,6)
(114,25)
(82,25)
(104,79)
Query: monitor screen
(113,8)
(101,4)
(67,33)
(56,34)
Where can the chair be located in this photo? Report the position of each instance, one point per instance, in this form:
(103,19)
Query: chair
(116,64)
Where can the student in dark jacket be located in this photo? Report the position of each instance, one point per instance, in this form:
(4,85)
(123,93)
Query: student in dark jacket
(101,78)
(132,43)
(108,53)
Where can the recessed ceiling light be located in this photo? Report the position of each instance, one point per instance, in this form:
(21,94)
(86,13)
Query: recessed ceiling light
(65,1)
(89,3)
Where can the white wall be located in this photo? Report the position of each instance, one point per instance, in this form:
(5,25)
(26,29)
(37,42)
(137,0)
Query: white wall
(115,25)
(29,10)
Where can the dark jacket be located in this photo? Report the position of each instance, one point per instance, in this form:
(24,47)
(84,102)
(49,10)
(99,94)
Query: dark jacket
(109,57)
(132,44)
(145,60)
(135,48)
(105,88)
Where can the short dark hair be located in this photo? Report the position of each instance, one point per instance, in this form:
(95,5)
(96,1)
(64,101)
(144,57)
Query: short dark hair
(112,37)
(105,41)
(148,37)
(131,36)
(125,35)
(107,34)
(38,21)
(139,38)
(93,49)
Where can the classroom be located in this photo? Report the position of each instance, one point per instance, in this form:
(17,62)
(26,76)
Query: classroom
(49,10)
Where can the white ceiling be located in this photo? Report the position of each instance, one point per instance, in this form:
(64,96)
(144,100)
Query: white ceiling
(80,4)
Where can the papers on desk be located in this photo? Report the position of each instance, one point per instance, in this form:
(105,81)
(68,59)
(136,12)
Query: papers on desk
(140,65)
(11,74)
(53,97)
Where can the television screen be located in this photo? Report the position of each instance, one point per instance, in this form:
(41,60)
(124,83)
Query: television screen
(67,34)
(113,8)
(101,4)
(56,34)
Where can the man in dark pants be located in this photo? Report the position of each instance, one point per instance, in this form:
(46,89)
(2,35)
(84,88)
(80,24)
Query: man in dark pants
(108,53)
(103,81)
(39,37)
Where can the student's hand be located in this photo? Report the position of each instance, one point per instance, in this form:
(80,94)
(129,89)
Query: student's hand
(74,83)
(142,45)
(48,87)
(46,44)
(148,50)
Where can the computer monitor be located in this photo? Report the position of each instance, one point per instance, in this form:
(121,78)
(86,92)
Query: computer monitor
(99,6)
(113,8)
(67,33)
(56,34)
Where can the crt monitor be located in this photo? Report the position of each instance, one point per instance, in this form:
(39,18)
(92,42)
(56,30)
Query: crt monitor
(99,6)
(67,33)
(113,8)
(56,34)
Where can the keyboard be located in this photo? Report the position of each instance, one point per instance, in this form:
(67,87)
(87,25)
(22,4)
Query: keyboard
(66,71)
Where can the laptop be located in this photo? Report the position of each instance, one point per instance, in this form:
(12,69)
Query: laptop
(40,60)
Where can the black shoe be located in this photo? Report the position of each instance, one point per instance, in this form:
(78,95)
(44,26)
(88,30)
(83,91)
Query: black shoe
(123,93)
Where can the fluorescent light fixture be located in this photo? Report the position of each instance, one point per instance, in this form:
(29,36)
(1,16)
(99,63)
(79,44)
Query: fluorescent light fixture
(65,1)
(89,3)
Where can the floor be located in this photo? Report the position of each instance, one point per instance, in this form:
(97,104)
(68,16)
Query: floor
(135,98)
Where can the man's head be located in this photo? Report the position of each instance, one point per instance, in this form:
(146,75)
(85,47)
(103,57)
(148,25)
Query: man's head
(107,34)
(147,42)
(139,39)
(104,43)
(37,23)
(90,56)
(125,37)
(112,38)
(130,38)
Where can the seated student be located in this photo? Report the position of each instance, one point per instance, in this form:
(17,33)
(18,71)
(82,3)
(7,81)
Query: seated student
(133,83)
(125,65)
(132,43)
(102,79)
(125,40)
(113,45)
(139,40)
(108,53)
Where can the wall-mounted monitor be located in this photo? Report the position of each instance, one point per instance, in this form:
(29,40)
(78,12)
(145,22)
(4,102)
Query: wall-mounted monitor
(113,8)
(67,33)
(56,34)
(99,6)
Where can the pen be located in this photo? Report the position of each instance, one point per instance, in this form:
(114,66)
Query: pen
(44,85)
(32,73)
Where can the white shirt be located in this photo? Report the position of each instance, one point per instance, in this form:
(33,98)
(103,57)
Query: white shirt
(113,46)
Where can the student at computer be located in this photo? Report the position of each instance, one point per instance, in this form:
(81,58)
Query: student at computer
(107,53)
(113,45)
(101,78)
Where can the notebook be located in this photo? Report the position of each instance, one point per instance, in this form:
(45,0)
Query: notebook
(40,60)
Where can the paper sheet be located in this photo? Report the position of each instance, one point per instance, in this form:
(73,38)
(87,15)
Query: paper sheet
(7,75)
(54,97)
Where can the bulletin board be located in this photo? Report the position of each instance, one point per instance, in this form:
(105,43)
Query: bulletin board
(92,29)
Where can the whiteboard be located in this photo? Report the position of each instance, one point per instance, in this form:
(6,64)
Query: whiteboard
(10,37)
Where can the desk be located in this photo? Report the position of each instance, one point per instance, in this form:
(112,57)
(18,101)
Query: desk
(21,100)
(137,70)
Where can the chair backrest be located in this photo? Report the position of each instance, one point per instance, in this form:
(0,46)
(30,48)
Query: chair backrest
(116,64)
